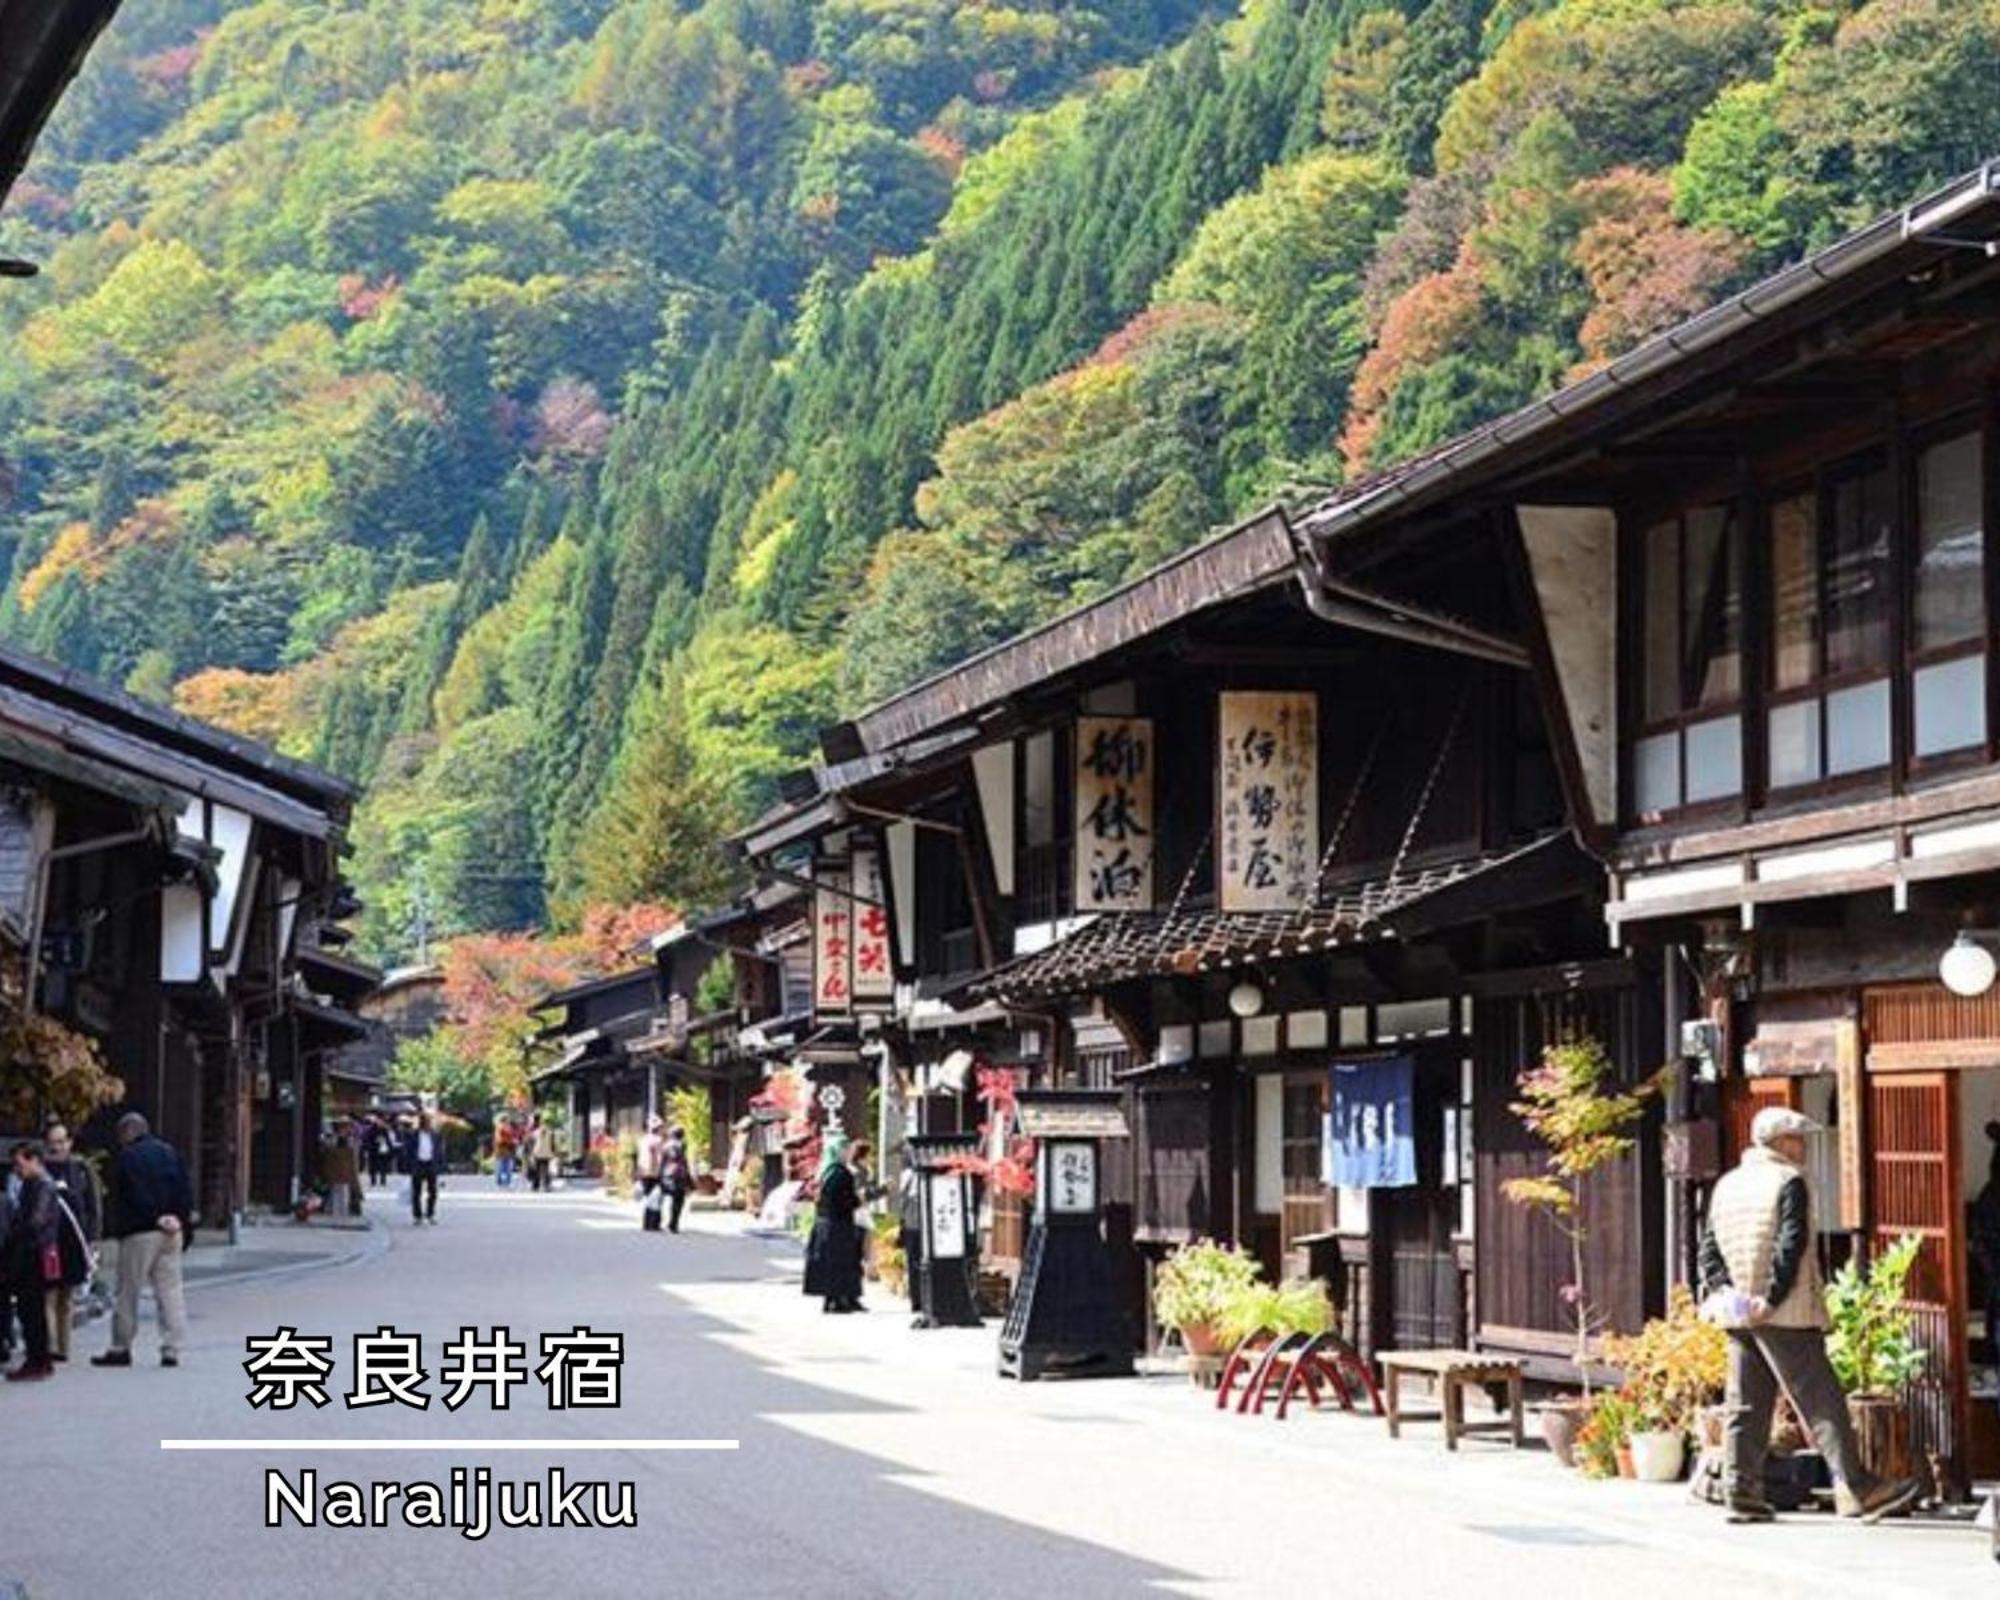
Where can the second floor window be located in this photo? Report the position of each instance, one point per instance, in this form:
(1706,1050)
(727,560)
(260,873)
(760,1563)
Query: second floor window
(1691,627)
(1948,600)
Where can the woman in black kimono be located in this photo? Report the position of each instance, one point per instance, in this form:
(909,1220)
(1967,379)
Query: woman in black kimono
(833,1255)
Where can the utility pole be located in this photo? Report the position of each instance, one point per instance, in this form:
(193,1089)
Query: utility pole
(422,923)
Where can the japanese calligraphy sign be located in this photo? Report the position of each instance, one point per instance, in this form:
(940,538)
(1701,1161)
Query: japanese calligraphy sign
(833,942)
(1267,803)
(1114,814)
(1070,1178)
(874,972)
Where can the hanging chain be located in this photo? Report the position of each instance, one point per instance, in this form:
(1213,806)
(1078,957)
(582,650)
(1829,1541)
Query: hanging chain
(1431,783)
(1332,850)
(1187,878)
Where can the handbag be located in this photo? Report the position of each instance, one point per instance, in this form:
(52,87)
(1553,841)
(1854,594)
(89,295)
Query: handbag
(52,1272)
(655,1198)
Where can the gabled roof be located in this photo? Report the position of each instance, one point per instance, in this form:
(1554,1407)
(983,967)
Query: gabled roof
(1257,554)
(42,43)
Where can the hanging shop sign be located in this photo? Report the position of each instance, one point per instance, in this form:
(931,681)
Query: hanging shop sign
(1114,814)
(833,942)
(874,973)
(1267,810)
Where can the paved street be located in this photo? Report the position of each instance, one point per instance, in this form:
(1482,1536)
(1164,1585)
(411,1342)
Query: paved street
(873,1461)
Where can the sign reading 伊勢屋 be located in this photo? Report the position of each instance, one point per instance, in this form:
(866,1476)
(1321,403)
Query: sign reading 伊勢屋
(1114,814)
(1267,805)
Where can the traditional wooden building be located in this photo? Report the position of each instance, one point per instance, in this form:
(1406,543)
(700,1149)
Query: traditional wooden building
(1244,848)
(1755,558)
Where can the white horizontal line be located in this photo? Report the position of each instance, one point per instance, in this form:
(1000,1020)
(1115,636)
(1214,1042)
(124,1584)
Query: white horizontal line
(448,1444)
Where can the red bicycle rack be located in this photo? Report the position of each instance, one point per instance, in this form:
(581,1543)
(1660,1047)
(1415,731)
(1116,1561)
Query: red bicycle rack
(1317,1363)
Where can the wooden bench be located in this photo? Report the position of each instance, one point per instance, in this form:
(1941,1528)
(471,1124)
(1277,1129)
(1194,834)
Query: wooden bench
(1451,1372)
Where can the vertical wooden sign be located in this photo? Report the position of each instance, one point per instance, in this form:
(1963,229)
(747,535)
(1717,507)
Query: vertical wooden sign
(874,973)
(1114,814)
(1267,799)
(833,942)
(1853,1110)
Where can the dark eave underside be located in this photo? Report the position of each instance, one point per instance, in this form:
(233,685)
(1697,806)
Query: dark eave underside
(42,44)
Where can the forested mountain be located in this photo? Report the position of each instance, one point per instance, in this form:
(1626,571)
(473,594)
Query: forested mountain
(554,410)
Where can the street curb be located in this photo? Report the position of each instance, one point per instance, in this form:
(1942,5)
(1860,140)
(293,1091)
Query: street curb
(374,1241)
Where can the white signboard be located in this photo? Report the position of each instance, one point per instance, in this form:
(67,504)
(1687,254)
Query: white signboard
(1114,814)
(1071,1178)
(874,973)
(833,943)
(1267,805)
(946,1199)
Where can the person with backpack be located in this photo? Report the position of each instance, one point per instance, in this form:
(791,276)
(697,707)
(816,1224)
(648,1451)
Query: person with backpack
(676,1176)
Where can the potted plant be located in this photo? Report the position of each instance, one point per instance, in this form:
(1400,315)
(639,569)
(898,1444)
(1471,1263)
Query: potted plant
(886,1260)
(1570,1102)
(1603,1444)
(1871,1342)
(1298,1305)
(1195,1288)
(1674,1367)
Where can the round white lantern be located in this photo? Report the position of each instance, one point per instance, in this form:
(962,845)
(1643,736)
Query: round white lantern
(1967,968)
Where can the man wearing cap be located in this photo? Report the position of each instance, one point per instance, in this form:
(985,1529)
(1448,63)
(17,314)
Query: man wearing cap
(1760,1277)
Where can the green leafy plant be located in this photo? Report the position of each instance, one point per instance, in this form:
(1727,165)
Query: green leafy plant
(1569,1102)
(1872,1341)
(1198,1284)
(1298,1305)
(690,1109)
(1674,1365)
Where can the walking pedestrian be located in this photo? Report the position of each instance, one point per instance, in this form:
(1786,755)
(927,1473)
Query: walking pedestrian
(34,1259)
(426,1147)
(649,1161)
(1761,1280)
(541,1153)
(381,1148)
(152,1218)
(506,1142)
(833,1254)
(676,1176)
(80,1224)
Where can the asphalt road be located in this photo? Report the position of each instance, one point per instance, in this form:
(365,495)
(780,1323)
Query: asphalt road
(872,1461)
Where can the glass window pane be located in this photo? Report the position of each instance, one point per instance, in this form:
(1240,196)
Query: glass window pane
(1656,773)
(1794,591)
(1712,625)
(1661,609)
(1857,728)
(1793,736)
(1038,789)
(1951,538)
(1951,705)
(1857,573)
(1714,759)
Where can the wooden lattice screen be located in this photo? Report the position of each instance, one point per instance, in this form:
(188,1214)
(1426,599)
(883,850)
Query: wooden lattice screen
(1913,1117)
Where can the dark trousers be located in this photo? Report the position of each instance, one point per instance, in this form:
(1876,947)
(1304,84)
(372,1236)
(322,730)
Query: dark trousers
(424,1190)
(31,1307)
(1763,1361)
(649,1214)
(378,1170)
(677,1196)
(538,1174)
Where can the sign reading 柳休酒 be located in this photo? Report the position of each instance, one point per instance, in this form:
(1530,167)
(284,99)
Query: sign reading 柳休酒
(1267,804)
(874,972)
(1114,814)
(833,942)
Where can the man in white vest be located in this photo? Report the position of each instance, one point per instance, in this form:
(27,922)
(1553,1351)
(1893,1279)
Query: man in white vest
(1760,1277)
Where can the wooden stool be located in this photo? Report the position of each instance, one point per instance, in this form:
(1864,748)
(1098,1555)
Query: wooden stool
(1452,1371)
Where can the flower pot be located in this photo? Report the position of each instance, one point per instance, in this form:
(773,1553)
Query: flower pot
(1657,1457)
(1624,1454)
(1201,1339)
(1561,1419)
(1882,1434)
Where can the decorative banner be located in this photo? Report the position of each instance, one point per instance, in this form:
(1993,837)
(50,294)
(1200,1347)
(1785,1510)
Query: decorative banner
(1114,814)
(874,973)
(833,943)
(1374,1143)
(1267,810)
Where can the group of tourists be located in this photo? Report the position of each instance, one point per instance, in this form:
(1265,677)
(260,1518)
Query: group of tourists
(53,1215)
(664,1175)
